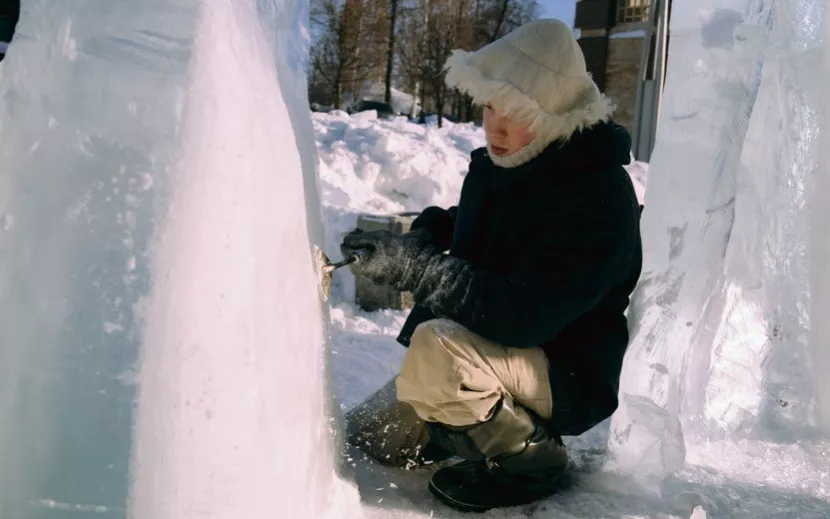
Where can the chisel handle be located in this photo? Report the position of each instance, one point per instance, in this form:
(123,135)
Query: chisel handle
(357,258)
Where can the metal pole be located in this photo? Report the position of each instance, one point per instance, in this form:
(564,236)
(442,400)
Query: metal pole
(650,86)
(639,129)
(660,67)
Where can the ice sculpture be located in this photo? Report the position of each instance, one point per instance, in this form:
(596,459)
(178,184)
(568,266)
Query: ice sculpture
(162,346)
(729,334)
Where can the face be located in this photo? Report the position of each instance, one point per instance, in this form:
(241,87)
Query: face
(504,136)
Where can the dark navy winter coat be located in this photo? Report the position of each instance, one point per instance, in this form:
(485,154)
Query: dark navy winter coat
(551,254)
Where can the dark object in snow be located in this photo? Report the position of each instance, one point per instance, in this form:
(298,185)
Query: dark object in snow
(384,110)
(544,254)
(512,459)
(317,107)
(368,295)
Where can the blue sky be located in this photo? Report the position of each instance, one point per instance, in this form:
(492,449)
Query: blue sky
(562,9)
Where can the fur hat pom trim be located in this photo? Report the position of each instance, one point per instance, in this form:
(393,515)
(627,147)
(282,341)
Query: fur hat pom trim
(587,108)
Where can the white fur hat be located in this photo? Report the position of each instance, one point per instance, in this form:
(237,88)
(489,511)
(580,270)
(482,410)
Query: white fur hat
(537,74)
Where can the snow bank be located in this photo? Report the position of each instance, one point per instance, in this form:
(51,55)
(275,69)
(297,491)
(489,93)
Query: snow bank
(372,166)
(384,167)
(393,166)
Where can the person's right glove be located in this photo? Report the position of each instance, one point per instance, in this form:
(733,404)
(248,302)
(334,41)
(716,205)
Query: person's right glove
(387,258)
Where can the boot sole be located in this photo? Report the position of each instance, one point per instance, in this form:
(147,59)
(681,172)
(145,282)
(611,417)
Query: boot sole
(469,507)
(455,504)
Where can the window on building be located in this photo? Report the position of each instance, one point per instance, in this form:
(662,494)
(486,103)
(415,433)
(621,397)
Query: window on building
(632,11)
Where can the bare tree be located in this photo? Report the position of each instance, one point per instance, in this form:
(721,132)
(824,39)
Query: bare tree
(495,18)
(491,20)
(390,49)
(411,51)
(450,28)
(345,54)
(406,41)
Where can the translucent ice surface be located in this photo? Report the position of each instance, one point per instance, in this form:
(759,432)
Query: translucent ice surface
(162,341)
(729,338)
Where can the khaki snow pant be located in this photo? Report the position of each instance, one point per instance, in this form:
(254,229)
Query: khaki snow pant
(449,375)
(452,376)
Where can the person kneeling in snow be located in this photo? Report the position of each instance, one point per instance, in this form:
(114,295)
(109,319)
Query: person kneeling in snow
(518,334)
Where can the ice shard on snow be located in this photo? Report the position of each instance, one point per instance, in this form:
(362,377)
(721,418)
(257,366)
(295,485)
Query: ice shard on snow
(729,324)
(162,341)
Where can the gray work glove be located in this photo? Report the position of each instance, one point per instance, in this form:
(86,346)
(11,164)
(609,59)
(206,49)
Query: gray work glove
(387,258)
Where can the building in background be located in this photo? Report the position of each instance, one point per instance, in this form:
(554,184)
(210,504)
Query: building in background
(625,44)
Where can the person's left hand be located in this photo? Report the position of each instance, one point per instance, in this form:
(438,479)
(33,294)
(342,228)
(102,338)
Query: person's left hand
(387,258)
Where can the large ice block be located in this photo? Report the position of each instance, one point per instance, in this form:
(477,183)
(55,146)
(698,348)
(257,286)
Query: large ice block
(162,341)
(728,339)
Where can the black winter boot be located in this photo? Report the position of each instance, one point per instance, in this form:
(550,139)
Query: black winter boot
(512,459)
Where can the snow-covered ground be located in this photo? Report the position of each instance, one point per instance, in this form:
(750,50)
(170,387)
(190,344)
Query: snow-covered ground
(383,167)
